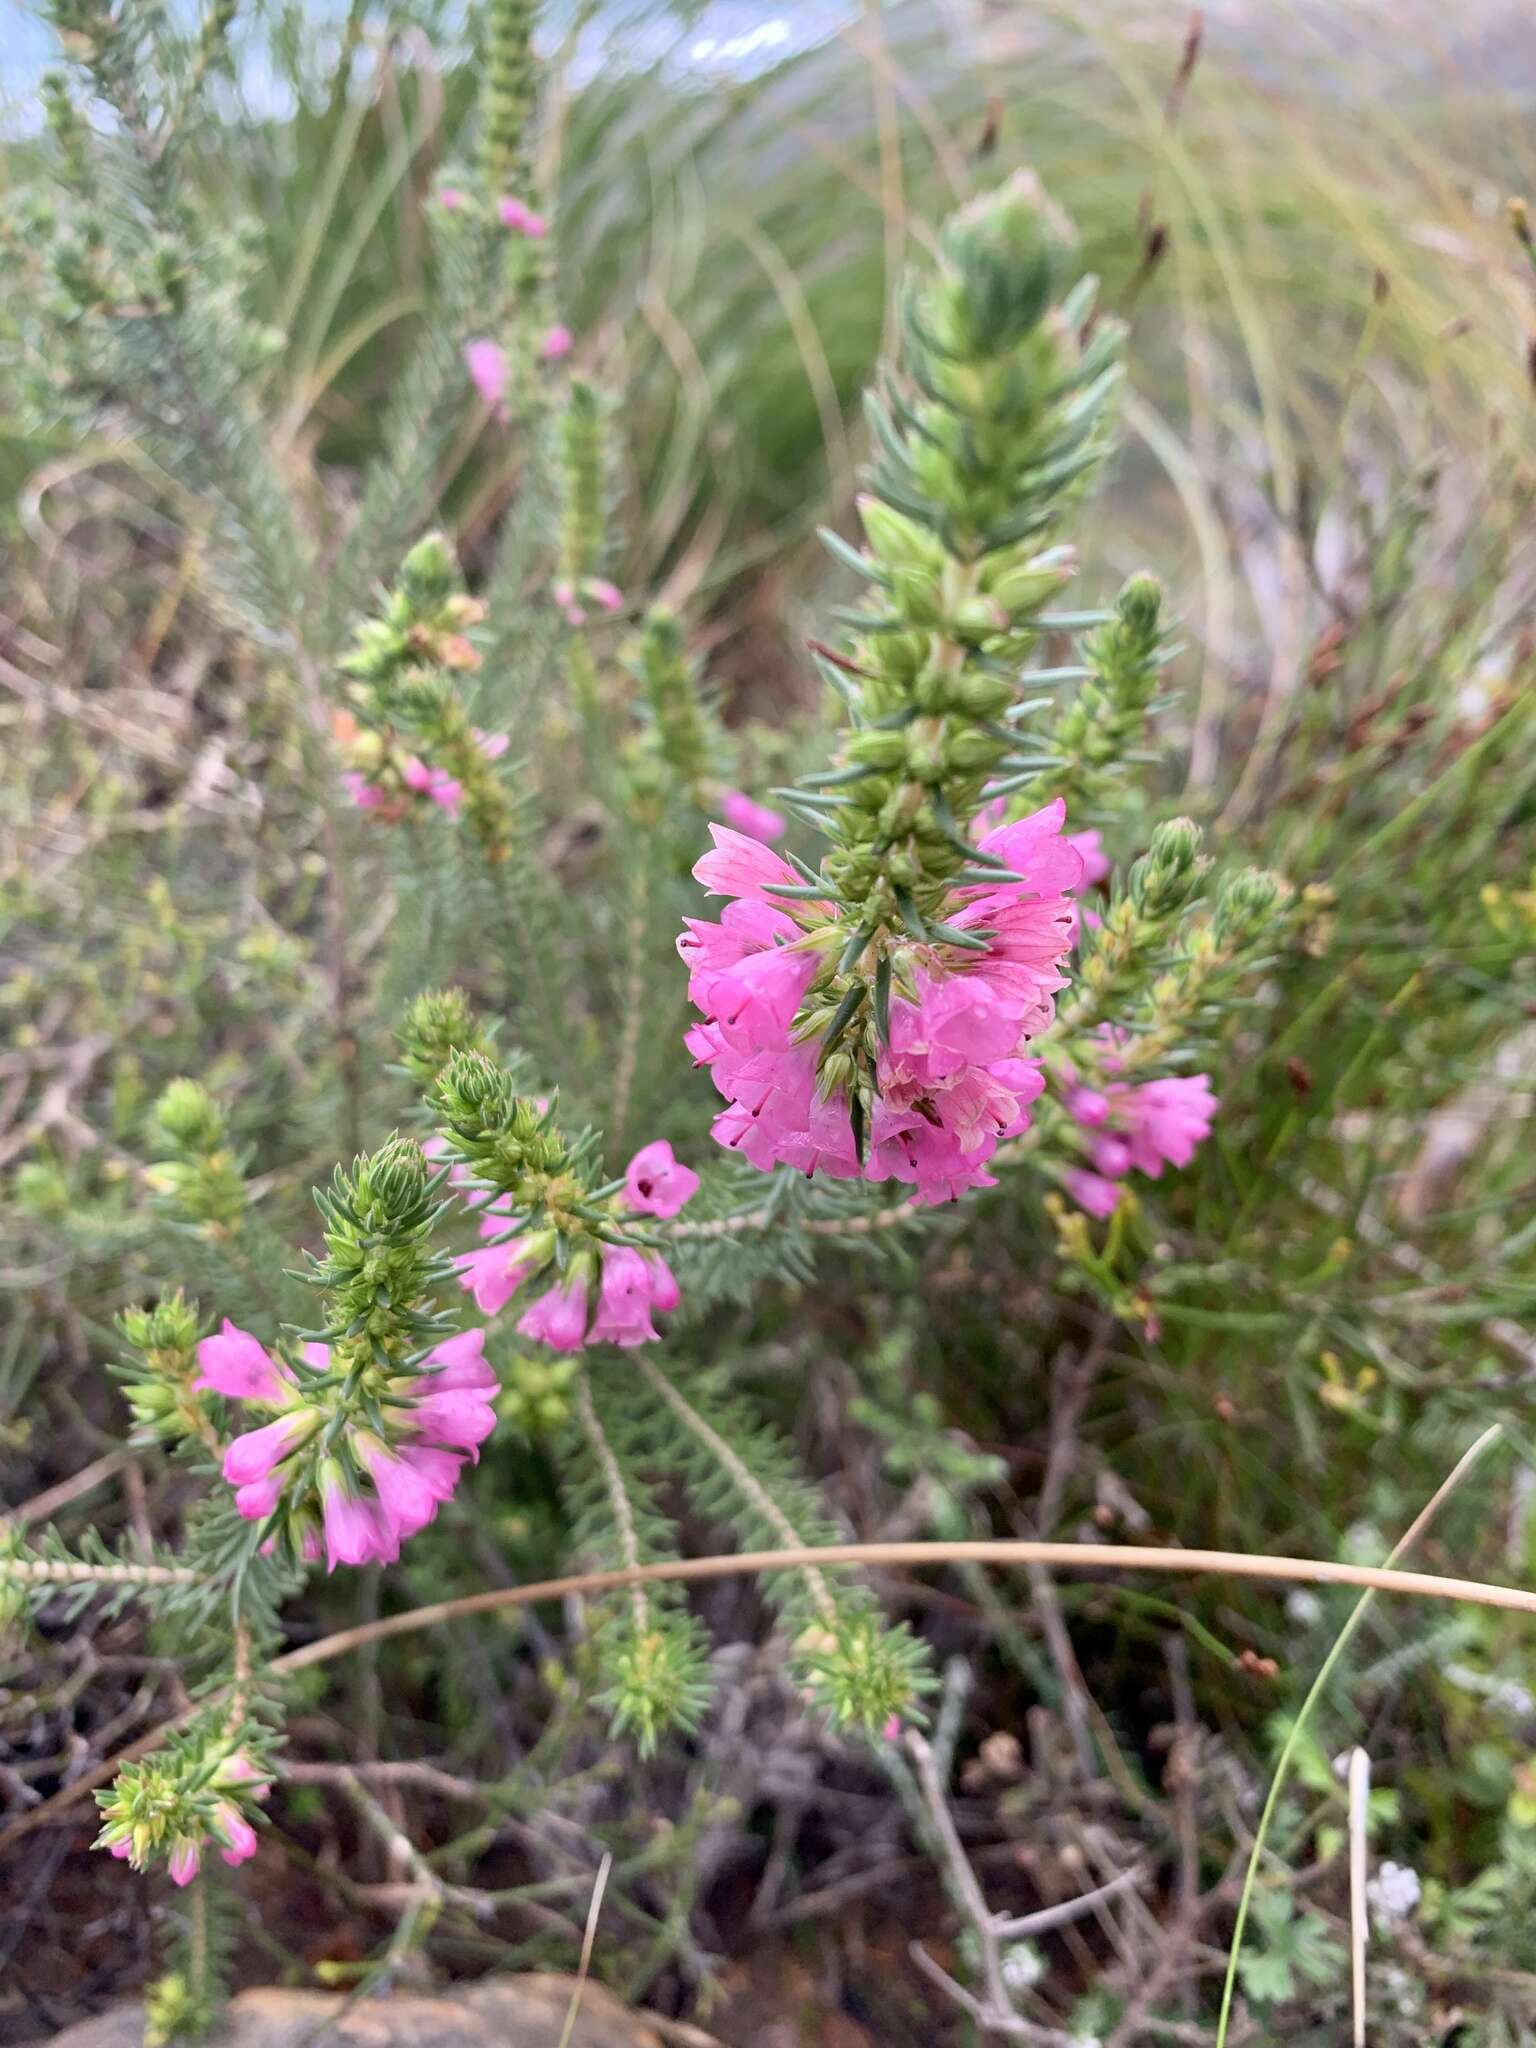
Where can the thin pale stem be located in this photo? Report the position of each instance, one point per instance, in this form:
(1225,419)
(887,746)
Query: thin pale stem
(618,1498)
(745,1482)
(1002,1552)
(69,1572)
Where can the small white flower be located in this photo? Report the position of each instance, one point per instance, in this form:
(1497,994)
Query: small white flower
(1303,1608)
(1393,1892)
(1022,1966)
(1472,700)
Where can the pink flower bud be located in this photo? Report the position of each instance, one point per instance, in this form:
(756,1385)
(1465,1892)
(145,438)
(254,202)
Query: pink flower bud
(235,1832)
(1098,1197)
(365,794)
(557,343)
(256,1501)
(756,820)
(486,362)
(1111,1157)
(184,1861)
(1088,1106)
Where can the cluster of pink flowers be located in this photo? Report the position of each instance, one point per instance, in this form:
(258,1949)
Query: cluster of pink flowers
(420,779)
(436,1416)
(228,1827)
(576,601)
(607,1293)
(952,1083)
(1137,1126)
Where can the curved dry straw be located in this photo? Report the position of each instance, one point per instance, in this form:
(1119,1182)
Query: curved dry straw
(1133,1557)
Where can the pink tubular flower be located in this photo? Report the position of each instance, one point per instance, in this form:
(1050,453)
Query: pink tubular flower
(742,867)
(952,1081)
(235,1832)
(1088,1106)
(655,1184)
(254,1455)
(459,1363)
(185,1860)
(1143,1126)
(486,362)
(406,1494)
(630,1287)
(495,1273)
(258,1500)
(607,596)
(238,1769)
(1091,1192)
(756,820)
(559,1317)
(459,1417)
(234,1364)
(1111,1156)
(450,199)
(1163,1121)
(557,343)
(365,794)
(357,1531)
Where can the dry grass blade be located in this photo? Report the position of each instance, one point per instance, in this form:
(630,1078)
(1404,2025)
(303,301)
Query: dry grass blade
(1001,1552)
(588,1942)
(1359,1803)
(1319,1686)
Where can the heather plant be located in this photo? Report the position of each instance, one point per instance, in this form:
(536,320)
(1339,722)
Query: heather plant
(974,989)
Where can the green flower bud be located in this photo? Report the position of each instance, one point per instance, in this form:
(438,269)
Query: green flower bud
(917,596)
(1247,902)
(874,749)
(437,1024)
(898,542)
(429,575)
(189,1117)
(1026,586)
(1167,872)
(1009,250)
